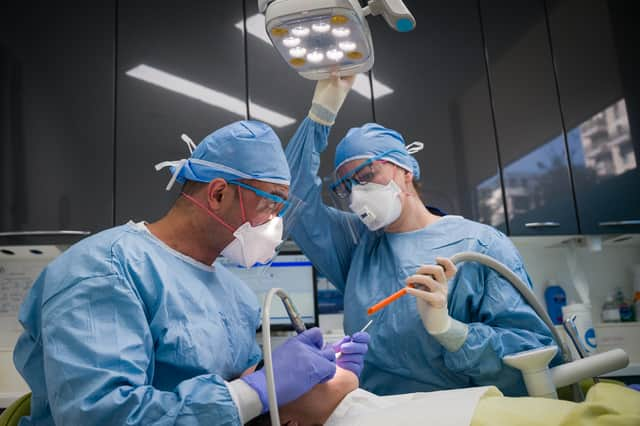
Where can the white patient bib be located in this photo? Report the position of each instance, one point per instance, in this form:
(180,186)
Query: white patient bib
(442,408)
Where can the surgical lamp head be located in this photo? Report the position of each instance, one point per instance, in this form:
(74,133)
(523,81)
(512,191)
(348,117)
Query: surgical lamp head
(320,38)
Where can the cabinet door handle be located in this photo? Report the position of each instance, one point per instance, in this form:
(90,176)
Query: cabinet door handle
(41,233)
(620,223)
(542,224)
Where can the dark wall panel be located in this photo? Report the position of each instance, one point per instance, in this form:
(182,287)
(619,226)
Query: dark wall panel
(440,97)
(56,115)
(535,166)
(180,70)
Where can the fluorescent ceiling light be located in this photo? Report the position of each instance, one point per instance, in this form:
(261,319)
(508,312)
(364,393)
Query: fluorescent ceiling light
(208,96)
(361,86)
(256,27)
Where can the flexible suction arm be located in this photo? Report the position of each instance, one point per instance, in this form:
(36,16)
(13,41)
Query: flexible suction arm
(522,288)
(539,379)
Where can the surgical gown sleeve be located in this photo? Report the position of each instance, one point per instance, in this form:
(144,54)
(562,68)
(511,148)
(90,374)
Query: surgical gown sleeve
(326,235)
(502,323)
(99,363)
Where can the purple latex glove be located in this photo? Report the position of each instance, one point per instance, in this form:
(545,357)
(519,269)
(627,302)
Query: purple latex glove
(299,364)
(352,349)
(635,387)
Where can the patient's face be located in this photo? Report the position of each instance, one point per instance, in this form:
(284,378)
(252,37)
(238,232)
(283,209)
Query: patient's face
(315,407)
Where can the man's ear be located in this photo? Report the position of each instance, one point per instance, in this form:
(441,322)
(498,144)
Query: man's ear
(217,192)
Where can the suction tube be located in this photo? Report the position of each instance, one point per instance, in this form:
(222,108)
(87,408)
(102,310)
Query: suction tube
(522,288)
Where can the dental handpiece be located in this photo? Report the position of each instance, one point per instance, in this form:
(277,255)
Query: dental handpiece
(294,315)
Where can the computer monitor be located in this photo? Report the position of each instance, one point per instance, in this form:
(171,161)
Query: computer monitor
(290,271)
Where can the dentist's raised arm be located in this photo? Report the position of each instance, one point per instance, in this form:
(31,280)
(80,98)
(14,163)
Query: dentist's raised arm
(319,229)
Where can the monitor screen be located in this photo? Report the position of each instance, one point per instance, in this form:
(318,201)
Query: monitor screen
(292,272)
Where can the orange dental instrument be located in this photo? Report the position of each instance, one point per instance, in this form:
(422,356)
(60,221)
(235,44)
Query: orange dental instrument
(384,302)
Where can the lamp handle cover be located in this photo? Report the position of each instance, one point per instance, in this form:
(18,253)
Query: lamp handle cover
(394,12)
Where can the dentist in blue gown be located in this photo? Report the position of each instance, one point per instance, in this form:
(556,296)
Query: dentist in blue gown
(135,326)
(452,334)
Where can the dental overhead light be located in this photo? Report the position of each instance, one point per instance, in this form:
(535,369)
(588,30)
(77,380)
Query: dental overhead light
(318,38)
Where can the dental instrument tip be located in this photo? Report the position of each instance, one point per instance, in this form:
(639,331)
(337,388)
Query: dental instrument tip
(366,326)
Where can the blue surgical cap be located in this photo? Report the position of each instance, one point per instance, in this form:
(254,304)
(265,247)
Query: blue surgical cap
(374,140)
(240,150)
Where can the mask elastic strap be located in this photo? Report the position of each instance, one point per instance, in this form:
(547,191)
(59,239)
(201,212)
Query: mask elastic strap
(209,212)
(244,216)
(413,148)
(395,169)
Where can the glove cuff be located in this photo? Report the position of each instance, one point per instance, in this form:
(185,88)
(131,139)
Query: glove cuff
(258,382)
(321,114)
(435,320)
(246,399)
(454,336)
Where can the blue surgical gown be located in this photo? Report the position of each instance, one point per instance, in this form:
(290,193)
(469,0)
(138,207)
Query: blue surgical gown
(121,329)
(402,356)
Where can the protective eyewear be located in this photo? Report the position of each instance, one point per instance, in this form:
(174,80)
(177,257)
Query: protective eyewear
(361,175)
(269,203)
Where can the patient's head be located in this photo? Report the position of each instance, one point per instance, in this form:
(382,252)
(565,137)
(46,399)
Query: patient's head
(315,407)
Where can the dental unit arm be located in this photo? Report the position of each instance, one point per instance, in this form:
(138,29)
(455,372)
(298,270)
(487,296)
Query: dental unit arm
(540,380)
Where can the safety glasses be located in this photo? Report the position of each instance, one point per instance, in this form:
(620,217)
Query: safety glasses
(361,175)
(269,203)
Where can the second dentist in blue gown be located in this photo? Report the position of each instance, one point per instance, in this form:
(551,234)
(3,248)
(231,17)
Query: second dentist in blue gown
(482,319)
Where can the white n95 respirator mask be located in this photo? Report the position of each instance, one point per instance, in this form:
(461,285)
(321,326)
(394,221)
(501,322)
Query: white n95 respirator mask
(254,244)
(376,205)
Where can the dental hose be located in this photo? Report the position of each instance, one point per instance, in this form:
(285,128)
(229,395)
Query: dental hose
(529,296)
(522,288)
(298,325)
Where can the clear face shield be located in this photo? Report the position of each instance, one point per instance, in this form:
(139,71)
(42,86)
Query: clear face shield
(285,266)
(255,245)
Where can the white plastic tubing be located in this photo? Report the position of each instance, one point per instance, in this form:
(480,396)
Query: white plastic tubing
(522,288)
(266,353)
